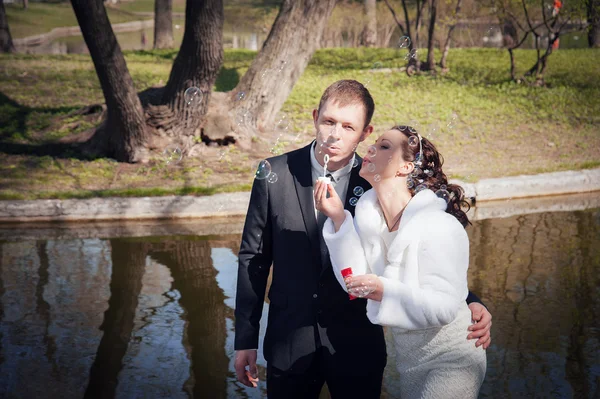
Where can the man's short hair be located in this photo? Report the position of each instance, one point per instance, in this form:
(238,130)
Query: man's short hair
(349,92)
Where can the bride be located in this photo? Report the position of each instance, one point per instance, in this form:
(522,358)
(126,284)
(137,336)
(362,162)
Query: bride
(409,254)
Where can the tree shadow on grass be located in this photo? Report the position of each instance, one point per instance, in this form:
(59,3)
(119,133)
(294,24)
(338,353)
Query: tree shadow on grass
(16,140)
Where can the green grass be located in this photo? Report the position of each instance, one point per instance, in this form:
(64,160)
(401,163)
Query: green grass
(501,128)
(41,18)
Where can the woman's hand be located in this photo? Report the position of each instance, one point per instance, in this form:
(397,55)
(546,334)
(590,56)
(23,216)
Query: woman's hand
(366,286)
(331,207)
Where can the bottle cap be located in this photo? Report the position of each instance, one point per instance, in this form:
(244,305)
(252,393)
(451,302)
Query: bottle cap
(347,272)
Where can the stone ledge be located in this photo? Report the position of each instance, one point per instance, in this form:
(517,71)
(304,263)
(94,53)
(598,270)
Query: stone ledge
(236,204)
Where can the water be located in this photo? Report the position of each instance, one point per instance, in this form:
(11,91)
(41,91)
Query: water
(465,35)
(146,310)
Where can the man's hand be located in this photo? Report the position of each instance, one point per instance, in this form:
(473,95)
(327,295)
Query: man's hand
(331,207)
(481,329)
(245,358)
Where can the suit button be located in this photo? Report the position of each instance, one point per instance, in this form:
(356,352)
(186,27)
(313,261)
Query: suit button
(315,296)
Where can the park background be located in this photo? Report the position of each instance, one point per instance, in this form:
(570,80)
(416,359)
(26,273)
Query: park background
(87,309)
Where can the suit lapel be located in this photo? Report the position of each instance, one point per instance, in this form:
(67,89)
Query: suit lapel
(301,171)
(355,181)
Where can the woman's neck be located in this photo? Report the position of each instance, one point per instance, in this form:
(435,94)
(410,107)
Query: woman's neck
(393,197)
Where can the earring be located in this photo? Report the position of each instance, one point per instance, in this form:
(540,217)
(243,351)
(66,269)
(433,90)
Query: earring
(398,173)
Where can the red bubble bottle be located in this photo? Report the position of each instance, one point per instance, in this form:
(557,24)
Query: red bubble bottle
(347,272)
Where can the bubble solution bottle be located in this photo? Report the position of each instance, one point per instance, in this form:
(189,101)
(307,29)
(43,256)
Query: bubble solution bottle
(347,272)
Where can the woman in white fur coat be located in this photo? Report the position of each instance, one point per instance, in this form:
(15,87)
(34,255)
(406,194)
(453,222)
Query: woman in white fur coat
(409,255)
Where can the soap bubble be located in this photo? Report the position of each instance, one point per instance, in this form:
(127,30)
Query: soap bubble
(443,194)
(240,96)
(412,54)
(371,167)
(413,141)
(404,42)
(420,188)
(372,151)
(272,177)
(402,127)
(429,172)
(353,201)
(354,162)
(240,117)
(192,96)
(432,130)
(416,172)
(377,178)
(452,122)
(443,187)
(282,124)
(418,157)
(172,154)
(263,170)
(358,191)
(410,183)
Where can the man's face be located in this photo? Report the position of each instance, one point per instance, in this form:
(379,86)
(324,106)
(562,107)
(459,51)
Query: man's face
(339,131)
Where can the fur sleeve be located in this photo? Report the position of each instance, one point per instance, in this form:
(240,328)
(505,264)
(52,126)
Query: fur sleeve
(345,248)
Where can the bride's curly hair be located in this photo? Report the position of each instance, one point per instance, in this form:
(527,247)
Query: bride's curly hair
(432,160)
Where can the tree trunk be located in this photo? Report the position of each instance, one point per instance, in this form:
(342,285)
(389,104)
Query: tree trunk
(163,24)
(123,135)
(443,63)
(25,4)
(593,17)
(197,65)
(431,38)
(6,43)
(370,31)
(293,39)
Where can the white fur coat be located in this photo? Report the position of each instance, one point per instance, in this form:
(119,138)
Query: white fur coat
(425,276)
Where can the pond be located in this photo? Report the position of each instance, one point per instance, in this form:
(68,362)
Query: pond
(466,35)
(146,309)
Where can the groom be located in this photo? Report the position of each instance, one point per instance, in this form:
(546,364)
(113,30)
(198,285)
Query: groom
(315,334)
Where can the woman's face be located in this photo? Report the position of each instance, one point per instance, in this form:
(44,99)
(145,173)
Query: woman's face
(384,159)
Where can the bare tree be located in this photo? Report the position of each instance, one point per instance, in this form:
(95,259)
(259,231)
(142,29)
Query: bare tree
(123,135)
(6,43)
(431,38)
(451,27)
(370,30)
(524,18)
(163,24)
(413,33)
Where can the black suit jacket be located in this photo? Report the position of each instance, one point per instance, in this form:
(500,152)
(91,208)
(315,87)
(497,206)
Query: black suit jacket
(308,308)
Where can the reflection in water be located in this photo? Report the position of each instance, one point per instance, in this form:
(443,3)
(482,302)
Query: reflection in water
(152,317)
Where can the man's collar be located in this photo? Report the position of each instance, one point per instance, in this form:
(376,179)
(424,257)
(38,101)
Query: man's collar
(335,175)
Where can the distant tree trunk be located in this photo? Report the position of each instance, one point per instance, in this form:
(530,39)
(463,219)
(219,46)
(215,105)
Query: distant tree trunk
(123,134)
(6,43)
(593,17)
(294,37)
(163,24)
(451,28)
(197,65)
(431,39)
(370,30)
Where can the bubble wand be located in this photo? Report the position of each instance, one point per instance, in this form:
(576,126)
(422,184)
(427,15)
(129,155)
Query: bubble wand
(324,178)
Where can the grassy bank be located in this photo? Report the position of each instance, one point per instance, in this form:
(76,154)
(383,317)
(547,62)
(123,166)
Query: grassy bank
(497,128)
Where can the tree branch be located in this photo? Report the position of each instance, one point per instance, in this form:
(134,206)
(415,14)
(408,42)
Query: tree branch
(387,3)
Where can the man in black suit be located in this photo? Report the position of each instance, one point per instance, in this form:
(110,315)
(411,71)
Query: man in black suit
(315,334)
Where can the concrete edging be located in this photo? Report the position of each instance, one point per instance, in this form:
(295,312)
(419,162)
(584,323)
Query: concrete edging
(236,204)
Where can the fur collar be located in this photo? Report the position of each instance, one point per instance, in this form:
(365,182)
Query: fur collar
(369,218)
